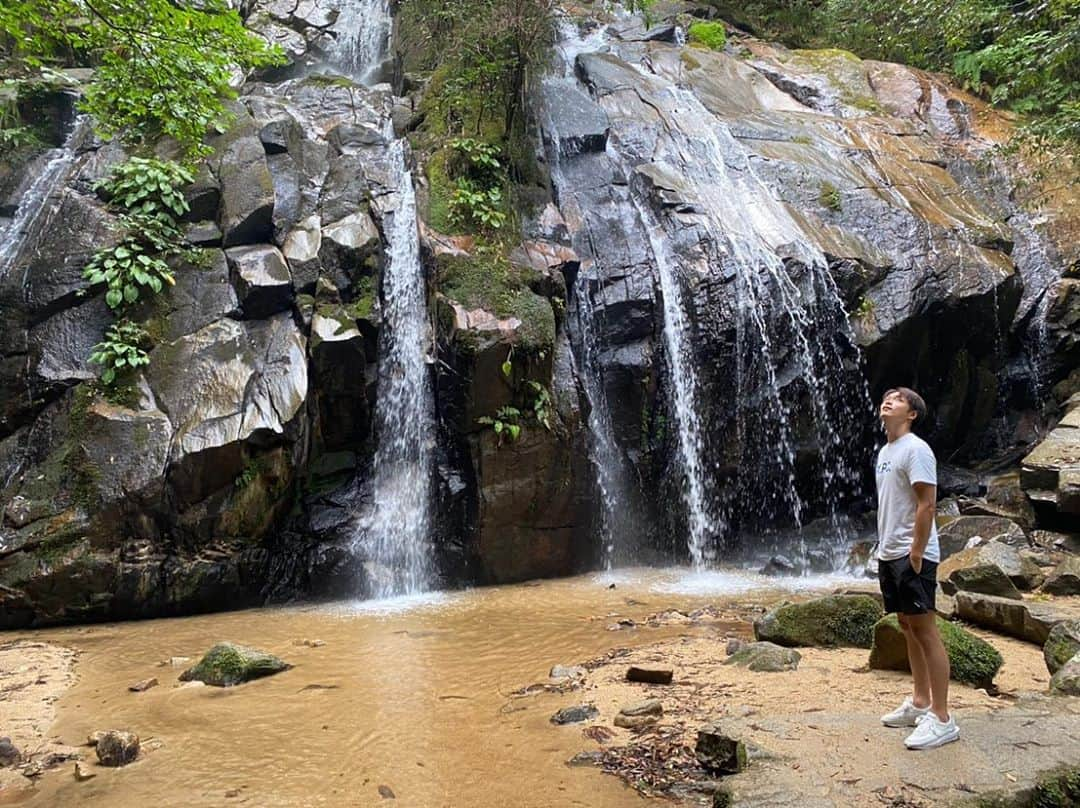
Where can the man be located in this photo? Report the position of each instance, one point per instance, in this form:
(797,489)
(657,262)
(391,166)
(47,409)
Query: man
(908,556)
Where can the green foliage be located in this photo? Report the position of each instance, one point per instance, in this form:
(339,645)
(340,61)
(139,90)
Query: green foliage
(146,194)
(712,35)
(473,206)
(160,68)
(541,404)
(505,423)
(477,198)
(1057,788)
(865,308)
(121,350)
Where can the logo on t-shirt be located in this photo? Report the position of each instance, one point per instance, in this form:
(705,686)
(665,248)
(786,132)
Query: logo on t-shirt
(883,467)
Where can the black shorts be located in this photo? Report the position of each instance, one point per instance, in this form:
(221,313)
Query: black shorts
(904,590)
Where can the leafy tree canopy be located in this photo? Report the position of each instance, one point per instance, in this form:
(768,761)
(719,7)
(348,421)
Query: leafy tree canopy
(161,68)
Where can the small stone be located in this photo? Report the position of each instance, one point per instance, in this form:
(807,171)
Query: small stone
(652,676)
(594,758)
(175,662)
(567,672)
(190,685)
(310,643)
(718,751)
(647,707)
(635,721)
(117,748)
(575,715)
(780,565)
(145,684)
(9,754)
(734,645)
(232,792)
(386,793)
(1067,680)
(765,656)
(82,774)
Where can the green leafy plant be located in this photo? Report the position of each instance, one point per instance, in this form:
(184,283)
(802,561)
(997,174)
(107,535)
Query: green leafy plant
(121,350)
(865,308)
(504,423)
(161,68)
(712,35)
(542,408)
(147,186)
(471,205)
(126,269)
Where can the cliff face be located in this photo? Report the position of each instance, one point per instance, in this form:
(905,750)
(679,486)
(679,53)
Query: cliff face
(824,226)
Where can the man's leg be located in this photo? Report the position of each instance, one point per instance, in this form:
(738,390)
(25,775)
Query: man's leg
(920,673)
(922,628)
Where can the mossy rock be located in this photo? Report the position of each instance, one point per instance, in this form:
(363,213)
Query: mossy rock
(972,660)
(712,35)
(1062,644)
(835,620)
(1058,788)
(765,656)
(228,664)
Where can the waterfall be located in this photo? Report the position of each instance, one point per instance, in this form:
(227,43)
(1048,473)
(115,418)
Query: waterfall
(618,517)
(395,531)
(363,37)
(33,202)
(789,321)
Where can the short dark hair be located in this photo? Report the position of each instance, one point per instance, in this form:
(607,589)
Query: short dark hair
(913,399)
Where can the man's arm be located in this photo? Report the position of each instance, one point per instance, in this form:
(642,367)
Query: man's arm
(926,497)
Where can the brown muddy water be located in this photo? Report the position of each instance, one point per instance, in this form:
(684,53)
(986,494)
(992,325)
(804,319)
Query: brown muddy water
(414,697)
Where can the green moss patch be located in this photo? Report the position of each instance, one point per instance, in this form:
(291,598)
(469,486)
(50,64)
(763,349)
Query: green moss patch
(228,664)
(712,35)
(972,660)
(835,620)
(487,280)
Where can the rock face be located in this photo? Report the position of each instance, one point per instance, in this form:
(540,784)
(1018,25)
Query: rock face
(836,620)
(972,660)
(228,664)
(232,469)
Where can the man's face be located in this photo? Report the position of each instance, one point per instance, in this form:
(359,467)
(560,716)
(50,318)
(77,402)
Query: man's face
(895,409)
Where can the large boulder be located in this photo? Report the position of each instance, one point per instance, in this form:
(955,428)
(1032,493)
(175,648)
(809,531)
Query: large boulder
(835,620)
(1066,681)
(955,535)
(228,664)
(1026,620)
(972,660)
(992,568)
(1062,644)
(1050,474)
(1065,579)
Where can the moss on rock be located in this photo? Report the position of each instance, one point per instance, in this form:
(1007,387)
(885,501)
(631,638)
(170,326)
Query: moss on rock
(972,660)
(228,664)
(1062,644)
(712,35)
(835,620)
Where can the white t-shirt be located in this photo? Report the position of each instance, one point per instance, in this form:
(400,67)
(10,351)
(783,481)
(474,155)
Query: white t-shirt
(901,464)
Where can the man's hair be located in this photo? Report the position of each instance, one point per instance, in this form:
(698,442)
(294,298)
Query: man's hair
(913,399)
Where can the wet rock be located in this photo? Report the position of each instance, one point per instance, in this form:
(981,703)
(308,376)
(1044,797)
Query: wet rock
(203,234)
(718,751)
(835,620)
(9,755)
(117,748)
(575,715)
(144,684)
(653,676)
(973,661)
(247,189)
(780,565)
(261,278)
(1066,681)
(1065,579)
(765,656)
(567,672)
(228,664)
(1062,644)
(954,536)
(386,793)
(1026,620)
(83,774)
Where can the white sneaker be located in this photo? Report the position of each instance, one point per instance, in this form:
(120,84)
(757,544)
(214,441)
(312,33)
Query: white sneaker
(906,715)
(932,732)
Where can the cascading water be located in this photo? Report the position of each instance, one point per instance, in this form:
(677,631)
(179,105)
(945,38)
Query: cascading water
(34,201)
(363,29)
(788,316)
(395,532)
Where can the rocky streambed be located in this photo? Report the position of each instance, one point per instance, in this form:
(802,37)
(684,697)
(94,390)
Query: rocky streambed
(449,699)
